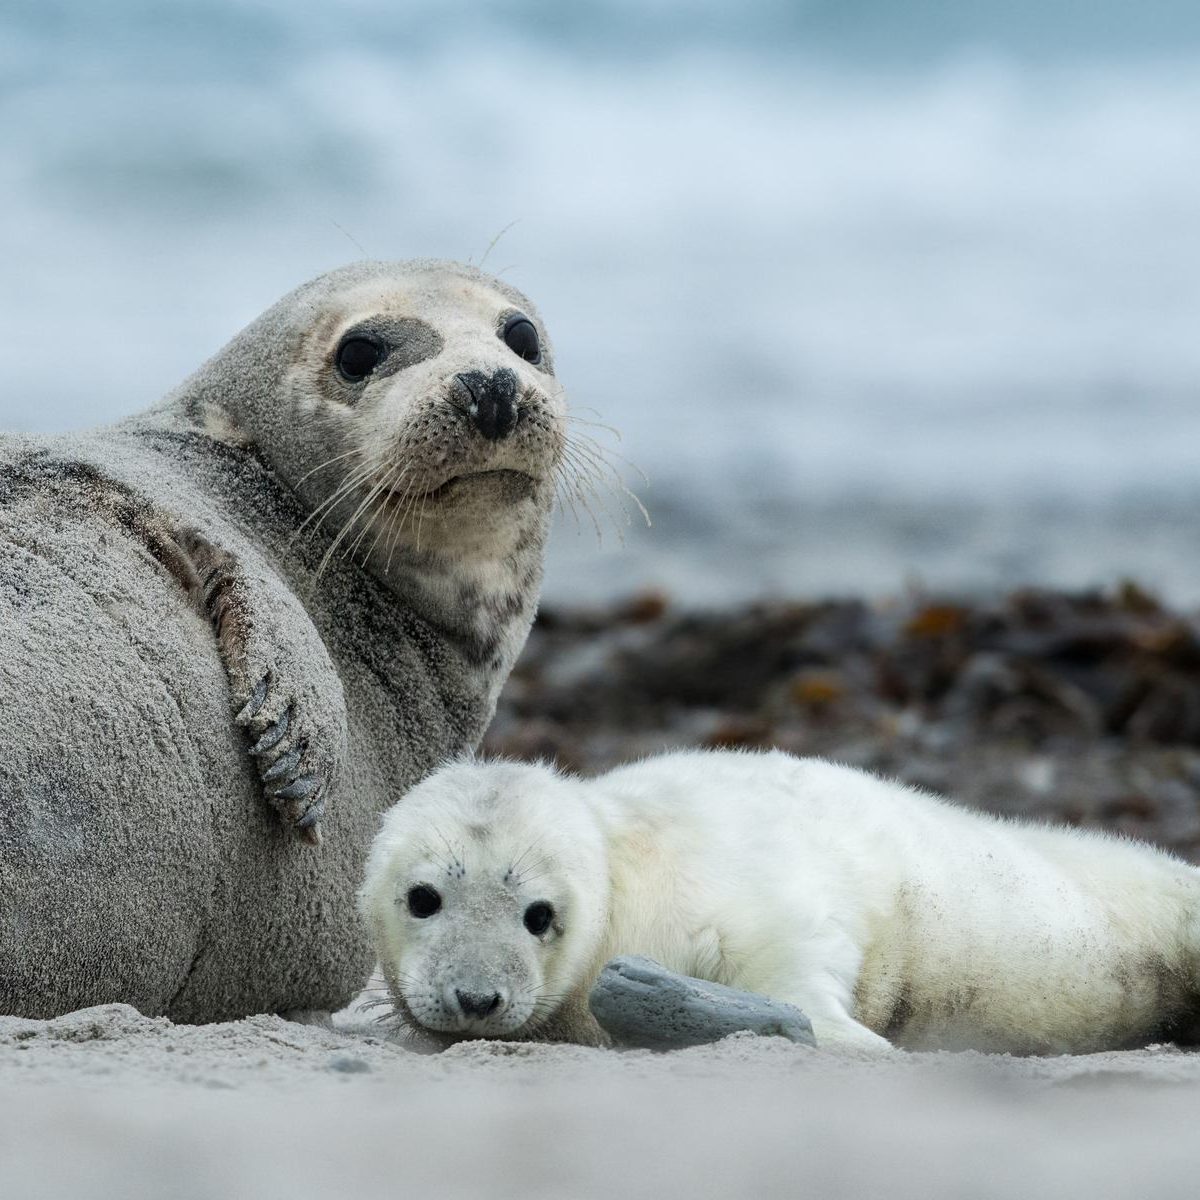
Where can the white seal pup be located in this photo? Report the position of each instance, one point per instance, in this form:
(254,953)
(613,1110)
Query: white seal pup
(261,609)
(496,892)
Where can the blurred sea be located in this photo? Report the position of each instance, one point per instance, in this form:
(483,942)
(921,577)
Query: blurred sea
(877,293)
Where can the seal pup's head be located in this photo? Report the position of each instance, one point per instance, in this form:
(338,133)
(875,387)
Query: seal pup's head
(412,405)
(486,892)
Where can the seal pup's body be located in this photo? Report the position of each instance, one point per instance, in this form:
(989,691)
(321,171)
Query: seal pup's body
(888,916)
(161,577)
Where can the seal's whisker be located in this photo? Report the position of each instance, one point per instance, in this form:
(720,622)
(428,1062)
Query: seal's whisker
(564,494)
(585,442)
(589,487)
(367,523)
(401,504)
(388,529)
(384,487)
(524,854)
(353,479)
(578,408)
(326,463)
(492,244)
(347,527)
(536,869)
(398,524)
(454,860)
(414,499)
(609,475)
(597,456)
(349,483)
(576,480)
(571,416)
(366,1005)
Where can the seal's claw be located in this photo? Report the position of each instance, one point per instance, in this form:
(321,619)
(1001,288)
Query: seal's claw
(304,786)
(309,825)
(273,735)
(283,766)
(312,818)
(312,835)
(258,697)
(291,760)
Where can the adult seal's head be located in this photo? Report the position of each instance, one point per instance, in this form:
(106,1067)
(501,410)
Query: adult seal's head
(414,408)
(487,894)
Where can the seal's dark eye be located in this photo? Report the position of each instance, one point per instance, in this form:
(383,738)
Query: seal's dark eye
(538,917)
(423,901)
(522,338)
(357,358)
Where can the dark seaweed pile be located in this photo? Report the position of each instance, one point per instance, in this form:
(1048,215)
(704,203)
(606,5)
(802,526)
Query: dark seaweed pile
(1082,708)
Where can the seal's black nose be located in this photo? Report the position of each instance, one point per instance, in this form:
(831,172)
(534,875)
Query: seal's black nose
(477,1006)
(490,403)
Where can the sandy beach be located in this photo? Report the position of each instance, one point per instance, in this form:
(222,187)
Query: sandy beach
(107,1103)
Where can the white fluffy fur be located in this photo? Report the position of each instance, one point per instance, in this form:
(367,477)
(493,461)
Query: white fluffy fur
(888,916)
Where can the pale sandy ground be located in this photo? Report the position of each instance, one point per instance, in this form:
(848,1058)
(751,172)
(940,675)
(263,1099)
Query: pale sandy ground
(107,1103)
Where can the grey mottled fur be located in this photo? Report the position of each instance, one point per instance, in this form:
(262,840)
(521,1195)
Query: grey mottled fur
(162,616)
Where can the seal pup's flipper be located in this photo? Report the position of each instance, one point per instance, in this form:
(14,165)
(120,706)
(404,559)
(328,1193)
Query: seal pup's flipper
(641,1004)
(286,693)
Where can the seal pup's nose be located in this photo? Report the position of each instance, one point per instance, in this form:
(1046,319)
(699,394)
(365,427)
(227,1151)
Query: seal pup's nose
(490,402)
(477,1004)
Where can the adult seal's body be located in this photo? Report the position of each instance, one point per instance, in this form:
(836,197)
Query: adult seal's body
(497,892)
(248,620)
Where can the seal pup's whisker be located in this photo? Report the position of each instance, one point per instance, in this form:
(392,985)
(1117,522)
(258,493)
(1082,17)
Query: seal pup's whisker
(455,861)
(379,1002)
(515,866)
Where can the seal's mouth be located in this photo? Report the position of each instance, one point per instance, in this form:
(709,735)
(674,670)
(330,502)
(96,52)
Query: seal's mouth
(507,480)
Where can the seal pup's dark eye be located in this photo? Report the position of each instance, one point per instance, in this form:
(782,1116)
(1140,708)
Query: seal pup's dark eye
(522,338)
(357,357)
(538,917)
(423,901)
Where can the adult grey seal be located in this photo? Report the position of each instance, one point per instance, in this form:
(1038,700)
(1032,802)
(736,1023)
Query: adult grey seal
(265,608)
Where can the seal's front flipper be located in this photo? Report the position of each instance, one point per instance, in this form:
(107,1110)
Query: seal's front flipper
(286,692)
(639,1003)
